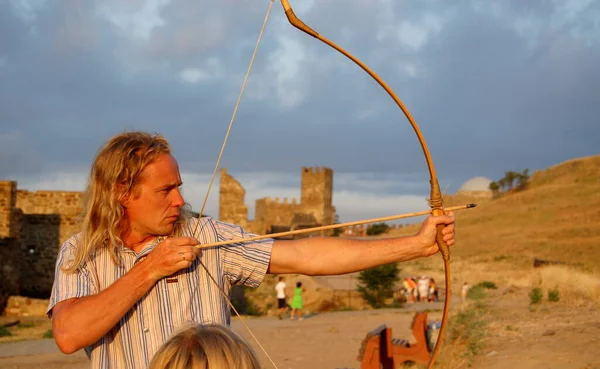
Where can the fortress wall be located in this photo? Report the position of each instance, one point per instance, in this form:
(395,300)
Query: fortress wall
(8,190)
(49,202)
(10,266)
(41,240)
(276,211)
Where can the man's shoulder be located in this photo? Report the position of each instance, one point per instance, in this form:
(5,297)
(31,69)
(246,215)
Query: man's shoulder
(74,241)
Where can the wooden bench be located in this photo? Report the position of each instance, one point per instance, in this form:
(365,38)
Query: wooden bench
(380,351)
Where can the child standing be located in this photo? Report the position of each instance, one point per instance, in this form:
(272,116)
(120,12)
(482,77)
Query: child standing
(297,302)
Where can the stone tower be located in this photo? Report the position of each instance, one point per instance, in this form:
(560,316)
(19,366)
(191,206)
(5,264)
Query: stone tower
(317,193)
(232,208)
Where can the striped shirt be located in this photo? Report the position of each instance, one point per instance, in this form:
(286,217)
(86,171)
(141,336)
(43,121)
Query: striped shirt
(167,306)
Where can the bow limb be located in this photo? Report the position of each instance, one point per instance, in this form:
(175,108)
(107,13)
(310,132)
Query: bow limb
(435,198)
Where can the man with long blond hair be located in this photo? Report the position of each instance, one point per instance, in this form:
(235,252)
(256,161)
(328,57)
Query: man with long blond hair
(133,275)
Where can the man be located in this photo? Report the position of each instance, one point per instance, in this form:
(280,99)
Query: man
(281,301)
(134,274)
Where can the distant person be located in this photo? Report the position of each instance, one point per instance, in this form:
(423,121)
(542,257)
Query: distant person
(423,286)
(212,346)
(464,291)
(281,298)
(410,287)
(297,301)
(433,292)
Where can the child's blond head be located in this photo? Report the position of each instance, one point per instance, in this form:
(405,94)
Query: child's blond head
(205,347)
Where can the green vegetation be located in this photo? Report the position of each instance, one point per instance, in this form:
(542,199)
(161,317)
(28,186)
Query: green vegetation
(477,292)
(377,229)
(244,305)
(4,331)
(337,231)
(467,328)
(377,284)
(553,295)
(512,181)
(48,334)
(488,285)
(536,295)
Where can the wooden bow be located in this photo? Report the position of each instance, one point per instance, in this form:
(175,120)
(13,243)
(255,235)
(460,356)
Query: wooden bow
(435,198)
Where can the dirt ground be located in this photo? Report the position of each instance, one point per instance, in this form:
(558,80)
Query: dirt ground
(549,335)
(329,340)
(517,336)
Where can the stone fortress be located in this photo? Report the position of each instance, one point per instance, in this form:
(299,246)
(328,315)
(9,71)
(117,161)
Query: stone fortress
(33,225)
(274,215)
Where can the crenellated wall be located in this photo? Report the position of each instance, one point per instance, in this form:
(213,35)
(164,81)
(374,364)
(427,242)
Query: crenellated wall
(49,202)
(275,211)
(315,207)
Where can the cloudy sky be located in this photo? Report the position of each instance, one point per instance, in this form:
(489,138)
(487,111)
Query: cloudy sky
(494,86)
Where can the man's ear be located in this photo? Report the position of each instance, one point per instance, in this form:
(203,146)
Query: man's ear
(125,195)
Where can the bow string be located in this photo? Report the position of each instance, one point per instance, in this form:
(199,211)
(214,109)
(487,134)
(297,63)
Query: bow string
(435,198)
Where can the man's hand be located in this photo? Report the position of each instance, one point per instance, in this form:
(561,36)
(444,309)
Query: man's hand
(171,255)
(427,233)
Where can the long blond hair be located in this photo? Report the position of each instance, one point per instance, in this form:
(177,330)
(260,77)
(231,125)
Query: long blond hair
(114,173)
(210,346)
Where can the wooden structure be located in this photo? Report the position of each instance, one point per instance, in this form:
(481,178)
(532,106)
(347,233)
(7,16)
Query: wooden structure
(380,351)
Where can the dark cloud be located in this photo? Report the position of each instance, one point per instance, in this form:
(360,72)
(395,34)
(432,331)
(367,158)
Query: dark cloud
(498,86)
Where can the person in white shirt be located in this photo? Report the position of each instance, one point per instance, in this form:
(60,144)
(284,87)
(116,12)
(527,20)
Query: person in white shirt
(423,286)
(281,301)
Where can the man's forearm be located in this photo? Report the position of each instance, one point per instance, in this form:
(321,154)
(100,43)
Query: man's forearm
(327,256)
(80,322)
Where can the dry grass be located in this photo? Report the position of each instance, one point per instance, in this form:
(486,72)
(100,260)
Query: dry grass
(575,287)
(556,218)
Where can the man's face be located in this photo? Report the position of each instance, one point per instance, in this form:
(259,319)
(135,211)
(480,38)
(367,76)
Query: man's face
(153,205)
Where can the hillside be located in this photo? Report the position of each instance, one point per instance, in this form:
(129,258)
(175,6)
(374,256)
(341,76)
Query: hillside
(556,218)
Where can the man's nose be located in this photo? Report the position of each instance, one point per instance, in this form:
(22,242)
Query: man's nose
(178,200)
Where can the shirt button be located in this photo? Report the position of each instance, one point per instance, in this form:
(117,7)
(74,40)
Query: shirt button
(146,330)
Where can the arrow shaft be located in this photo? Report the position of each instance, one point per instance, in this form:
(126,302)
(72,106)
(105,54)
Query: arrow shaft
(332,226)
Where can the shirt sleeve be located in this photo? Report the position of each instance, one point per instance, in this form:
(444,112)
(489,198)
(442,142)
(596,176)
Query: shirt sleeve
(245,262)
(69,285)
